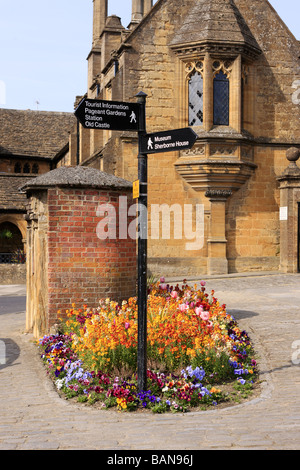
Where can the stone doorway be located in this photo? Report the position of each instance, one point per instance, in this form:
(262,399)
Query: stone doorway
(11,244)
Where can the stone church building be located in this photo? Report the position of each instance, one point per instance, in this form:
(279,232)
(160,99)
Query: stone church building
(230,70)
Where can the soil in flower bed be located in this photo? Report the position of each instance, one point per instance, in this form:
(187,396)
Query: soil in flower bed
(198,357)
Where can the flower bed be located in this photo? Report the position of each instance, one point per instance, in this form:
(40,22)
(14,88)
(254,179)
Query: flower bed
(193,348)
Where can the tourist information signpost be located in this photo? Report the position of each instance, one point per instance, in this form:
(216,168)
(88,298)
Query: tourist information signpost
(121,116)
(108,115)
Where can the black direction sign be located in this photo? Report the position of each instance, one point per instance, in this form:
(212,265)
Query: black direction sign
(168,141)
(108,115)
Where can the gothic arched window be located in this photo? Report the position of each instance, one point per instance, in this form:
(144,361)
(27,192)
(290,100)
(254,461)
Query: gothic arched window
(221,99)
(18,168)
(35,169)
(196,99)
(26,168)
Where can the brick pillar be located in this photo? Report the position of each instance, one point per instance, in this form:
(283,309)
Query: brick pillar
(217,259)
(72,257)
(289,187)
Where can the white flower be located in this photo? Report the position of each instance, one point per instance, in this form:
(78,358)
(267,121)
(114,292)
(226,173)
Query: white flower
(75,339)
(59,383)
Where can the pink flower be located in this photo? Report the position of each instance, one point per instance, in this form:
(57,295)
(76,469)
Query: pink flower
(162,279)
(209,324)
(198,310)
(183,307)
(127,325)
(174,294)
(204,316)
(163,286)
(202,283)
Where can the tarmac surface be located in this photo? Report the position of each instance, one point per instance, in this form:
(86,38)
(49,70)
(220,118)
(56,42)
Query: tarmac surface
(267,306)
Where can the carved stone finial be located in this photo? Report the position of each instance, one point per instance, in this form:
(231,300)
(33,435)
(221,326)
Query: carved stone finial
(292,172)
(293,154)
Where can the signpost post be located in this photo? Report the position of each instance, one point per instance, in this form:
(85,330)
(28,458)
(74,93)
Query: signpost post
(116,115)
(142,248)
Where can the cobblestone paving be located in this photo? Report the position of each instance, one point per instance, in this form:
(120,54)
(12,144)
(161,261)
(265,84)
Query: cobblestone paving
(32,416)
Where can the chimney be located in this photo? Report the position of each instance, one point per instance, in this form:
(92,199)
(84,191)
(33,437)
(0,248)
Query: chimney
(99,18)
(148,4)
(139,9)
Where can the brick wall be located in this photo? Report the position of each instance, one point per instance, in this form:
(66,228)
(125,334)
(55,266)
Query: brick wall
(82,269)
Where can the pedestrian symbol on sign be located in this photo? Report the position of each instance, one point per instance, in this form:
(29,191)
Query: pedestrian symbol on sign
(150,144)
(133,117)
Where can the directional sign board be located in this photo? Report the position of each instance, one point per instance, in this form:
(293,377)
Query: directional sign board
(108,115)
(168,141)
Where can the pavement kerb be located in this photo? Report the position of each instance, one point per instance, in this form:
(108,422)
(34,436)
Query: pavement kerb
(20,289)
(206,277)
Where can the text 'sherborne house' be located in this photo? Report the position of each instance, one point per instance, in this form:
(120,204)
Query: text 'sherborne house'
(230,70)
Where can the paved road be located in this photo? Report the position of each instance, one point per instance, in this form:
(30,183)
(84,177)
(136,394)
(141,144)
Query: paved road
(11,304)
(32,416)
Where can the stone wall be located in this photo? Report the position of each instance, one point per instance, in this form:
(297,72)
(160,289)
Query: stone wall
(12,274)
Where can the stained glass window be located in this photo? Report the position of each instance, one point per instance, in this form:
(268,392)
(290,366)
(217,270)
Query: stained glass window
(221,100)
(196,100)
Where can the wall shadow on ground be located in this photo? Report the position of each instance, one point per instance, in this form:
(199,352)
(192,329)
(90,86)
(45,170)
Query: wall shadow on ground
(9,352)
(241,314)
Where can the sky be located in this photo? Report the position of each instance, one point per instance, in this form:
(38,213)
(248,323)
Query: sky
(44,46)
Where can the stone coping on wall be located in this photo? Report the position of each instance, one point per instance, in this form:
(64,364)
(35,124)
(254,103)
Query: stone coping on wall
(77,176)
